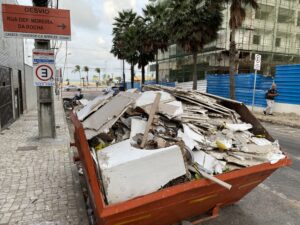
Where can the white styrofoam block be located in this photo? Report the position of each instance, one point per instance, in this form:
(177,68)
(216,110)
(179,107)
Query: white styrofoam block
(128,172)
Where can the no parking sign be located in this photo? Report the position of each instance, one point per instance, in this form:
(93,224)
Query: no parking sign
(43,68)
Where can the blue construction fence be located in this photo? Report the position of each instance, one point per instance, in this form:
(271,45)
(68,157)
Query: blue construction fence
(137,85)
(288,84)
(218,84)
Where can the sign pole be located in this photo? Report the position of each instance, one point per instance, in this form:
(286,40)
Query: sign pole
(45,100)
(254,91)
(257,66)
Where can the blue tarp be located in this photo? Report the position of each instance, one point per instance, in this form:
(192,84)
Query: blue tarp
(288,84)
(218,84)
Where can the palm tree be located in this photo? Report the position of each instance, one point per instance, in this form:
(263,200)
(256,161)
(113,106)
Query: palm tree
(146,53)
(77,69)
(196,24)
(158,35)
(98,70)
(125,40)
(237,17)
(86,69)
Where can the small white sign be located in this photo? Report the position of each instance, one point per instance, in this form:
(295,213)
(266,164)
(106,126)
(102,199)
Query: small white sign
(257,62)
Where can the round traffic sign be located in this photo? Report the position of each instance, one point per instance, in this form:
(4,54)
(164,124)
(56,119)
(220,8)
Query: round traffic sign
(44,73)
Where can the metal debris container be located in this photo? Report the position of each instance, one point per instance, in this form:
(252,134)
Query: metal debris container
(180,202)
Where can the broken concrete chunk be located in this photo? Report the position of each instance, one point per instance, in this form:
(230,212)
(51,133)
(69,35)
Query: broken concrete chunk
(92,106)
(128,172)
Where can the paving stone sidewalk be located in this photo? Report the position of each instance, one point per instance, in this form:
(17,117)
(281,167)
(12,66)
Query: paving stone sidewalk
(36,179)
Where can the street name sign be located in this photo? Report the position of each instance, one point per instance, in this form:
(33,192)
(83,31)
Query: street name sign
(257,62)
(36,22)
(43,68)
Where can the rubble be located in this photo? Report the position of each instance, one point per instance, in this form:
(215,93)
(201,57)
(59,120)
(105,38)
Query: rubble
(150,140)
(128,172)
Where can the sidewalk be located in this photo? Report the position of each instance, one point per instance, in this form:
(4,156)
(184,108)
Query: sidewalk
(36,179)
(285,119)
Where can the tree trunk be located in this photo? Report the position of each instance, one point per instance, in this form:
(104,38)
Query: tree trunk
(87,79)
(132,75)
(232,69)
(79,78)
(143,75)
(124,77)
(195,78)
(157,70)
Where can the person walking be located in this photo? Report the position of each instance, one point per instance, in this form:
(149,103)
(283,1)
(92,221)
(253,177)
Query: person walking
(270,97)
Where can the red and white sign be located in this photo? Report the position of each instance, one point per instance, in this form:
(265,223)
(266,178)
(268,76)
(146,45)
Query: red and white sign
(44,75)
(36,22)
(43,67)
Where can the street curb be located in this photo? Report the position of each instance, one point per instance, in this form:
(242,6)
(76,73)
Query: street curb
(289,124)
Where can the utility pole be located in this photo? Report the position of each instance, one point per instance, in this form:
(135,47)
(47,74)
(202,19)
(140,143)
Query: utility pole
(45,98)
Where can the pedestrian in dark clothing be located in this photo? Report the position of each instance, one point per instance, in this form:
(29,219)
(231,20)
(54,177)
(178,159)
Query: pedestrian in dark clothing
(270,97)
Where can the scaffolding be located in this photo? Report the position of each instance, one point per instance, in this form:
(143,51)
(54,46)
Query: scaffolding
(272,31)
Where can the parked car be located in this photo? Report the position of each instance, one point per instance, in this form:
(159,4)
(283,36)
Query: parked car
(72,88)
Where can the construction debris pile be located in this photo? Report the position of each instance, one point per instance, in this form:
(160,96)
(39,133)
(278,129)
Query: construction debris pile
(142,142)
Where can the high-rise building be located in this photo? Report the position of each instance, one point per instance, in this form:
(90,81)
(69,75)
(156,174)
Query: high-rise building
(272,31)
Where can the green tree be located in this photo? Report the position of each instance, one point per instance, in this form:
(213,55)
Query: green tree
(86,69)
(77,69)
(125,40)
(158,36)
(193,24)
(237,17)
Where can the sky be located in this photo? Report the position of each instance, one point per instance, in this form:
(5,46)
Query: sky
(91,35)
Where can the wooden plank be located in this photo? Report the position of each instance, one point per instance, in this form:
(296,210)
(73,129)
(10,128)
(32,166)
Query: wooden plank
(151,117)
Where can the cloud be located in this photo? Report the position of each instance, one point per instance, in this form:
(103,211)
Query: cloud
(112,7)
(82,14)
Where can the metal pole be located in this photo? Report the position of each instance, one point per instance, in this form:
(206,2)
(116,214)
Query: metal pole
(254,90)
(45,97)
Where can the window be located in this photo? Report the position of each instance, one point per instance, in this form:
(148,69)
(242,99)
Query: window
(278,42)
(261,15)
(256,39)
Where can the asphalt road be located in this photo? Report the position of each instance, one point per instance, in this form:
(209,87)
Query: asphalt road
(277,200)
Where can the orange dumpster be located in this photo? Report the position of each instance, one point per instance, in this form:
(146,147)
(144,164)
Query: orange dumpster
(181,202)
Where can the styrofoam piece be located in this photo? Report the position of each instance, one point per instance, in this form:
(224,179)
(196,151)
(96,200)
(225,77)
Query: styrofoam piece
(137,127)
(209,163)
(148,97)
(192,134)
(171,109)
(128,172)
(239,127)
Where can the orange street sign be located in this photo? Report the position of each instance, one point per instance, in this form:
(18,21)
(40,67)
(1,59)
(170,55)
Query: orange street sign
(36,22)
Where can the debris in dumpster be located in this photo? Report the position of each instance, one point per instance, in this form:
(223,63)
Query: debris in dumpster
(93,106)
(129,172)
(151,140)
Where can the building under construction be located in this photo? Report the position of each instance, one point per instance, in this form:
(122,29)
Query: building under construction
(272,31)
